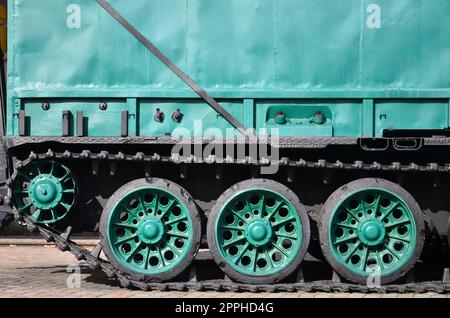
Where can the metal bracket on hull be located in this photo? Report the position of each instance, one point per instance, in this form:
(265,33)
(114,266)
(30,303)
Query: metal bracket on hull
(182,75)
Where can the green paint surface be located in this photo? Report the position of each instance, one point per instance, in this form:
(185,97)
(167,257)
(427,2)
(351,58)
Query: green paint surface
(258,232)
(372,230)
(243,52)
(149,231)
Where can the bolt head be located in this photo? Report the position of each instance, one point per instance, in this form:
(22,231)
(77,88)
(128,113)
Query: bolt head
(159,116)
(177,116)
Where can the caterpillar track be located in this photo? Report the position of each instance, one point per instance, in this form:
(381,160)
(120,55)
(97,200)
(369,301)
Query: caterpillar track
(64,243)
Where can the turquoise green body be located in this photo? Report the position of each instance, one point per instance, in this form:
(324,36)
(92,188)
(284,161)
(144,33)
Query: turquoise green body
(366,68)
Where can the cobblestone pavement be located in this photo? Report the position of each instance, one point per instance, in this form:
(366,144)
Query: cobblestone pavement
(38,271)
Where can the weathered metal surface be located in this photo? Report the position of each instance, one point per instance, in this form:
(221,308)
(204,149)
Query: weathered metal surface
(356,61)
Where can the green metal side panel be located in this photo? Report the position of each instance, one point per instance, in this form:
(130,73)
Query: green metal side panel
(349,57)
(95,122)
(342,118)
(198,118)
(410,114)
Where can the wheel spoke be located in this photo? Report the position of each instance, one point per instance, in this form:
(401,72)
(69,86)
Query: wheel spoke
(167,209)
(380,263)
(125,240)
(160,256)
(183,218)
(21,192)
(239,216)
(364,259)
(377,204)
(346,239)
(178,235)
(147,258)
(353,251)
(142,204)
(52,169)
(125,225)
(282,222)
(392,251)
(280,249)
(172,249)
(269,260)
(274,209)
(255,259)
(346,226)
(362,203)
(261,205)
(403,239)
(397,223)
(133,252)
(240,239)
(156,202)
(238,258)
(130,212)
(54,216)
(36,216)
(233,228)
(286,236)
(65,205)
(25,207)
(352,214)
(36,166)
(65,177)
(391,209)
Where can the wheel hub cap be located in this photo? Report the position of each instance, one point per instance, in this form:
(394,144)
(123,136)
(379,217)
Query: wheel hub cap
(151,230)
(258,232)
(45,191)
(372,232)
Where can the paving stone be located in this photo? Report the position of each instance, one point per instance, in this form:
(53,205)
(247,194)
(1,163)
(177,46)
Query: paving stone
(37,271)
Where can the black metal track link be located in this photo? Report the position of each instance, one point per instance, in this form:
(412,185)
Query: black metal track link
(96,263)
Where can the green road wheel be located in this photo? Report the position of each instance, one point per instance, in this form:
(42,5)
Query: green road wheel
(151,229)
(371,228)
(45,191)
(258,232)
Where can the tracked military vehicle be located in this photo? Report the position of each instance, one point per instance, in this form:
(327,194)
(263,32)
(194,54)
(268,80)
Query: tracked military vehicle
(139,120)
